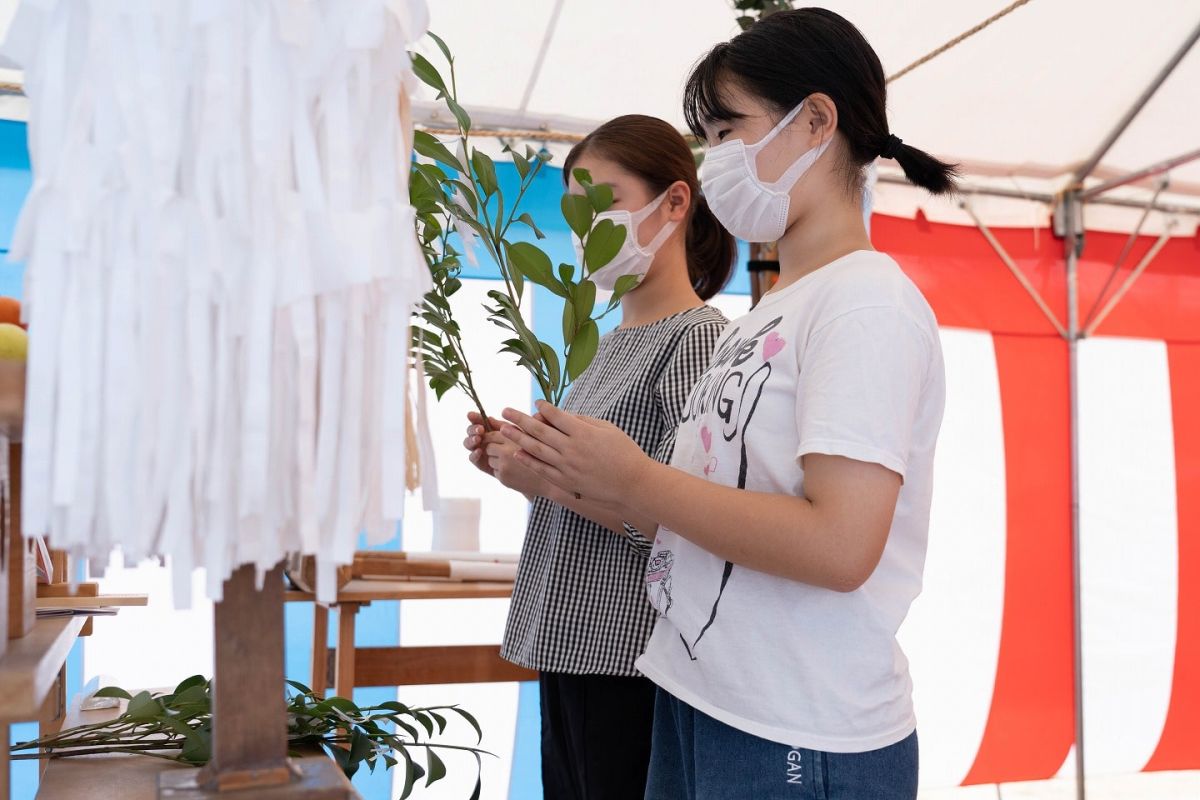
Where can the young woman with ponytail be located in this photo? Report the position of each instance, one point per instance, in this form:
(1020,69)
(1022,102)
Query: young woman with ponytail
(793,518)
(579,614)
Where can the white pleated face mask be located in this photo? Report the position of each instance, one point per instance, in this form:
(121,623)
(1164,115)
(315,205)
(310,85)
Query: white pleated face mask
(632,258)
(749,208)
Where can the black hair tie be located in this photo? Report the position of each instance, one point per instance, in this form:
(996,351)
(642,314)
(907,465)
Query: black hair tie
(891,147)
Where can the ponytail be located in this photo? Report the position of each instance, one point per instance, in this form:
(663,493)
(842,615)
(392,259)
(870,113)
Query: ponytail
(711,250)
(921,169)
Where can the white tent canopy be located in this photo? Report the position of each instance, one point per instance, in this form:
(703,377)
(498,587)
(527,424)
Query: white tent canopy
(1021,104)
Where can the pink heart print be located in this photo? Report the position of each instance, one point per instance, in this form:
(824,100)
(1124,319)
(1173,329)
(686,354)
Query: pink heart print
(710,467)
(706,438)
(772,345)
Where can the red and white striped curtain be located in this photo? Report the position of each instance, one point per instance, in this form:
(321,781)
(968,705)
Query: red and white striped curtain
(991,639)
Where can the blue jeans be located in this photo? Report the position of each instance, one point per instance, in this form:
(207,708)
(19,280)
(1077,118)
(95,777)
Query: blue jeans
(695,757)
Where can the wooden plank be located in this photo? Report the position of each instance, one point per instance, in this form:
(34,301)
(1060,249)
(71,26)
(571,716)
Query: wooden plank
(22,566)
(422,666)
(60,566)
(63,589)
(319,675)
(98,601)
(364,591)
(31,665)
(345,674)
(54,710)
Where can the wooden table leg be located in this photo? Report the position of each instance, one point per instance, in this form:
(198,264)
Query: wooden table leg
(5,763)
(319,679)
(344,677)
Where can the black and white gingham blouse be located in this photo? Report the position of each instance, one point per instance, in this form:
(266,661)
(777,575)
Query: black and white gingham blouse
(579,604)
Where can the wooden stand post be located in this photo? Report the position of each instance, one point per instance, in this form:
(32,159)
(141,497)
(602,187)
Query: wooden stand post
(22,566)
(249,726)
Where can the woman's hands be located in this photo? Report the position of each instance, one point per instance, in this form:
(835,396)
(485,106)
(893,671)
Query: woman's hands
(585,457)
(493,454)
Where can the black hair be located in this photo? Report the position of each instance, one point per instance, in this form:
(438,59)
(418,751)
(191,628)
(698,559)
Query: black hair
(790,55)
(657,154)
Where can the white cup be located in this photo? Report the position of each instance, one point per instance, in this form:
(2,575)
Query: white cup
(456,524)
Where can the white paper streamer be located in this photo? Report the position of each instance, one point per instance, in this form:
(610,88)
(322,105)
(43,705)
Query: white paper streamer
(221,263)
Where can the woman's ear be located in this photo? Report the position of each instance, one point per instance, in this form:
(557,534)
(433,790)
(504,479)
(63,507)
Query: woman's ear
(822,117)
(679,200)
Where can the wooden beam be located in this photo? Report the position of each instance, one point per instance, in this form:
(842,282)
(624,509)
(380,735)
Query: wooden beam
(420,666)
(249,732)
(345,676)
(22,566)
(31,666)
(319,677)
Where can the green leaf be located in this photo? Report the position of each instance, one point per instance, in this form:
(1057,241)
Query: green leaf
(520,162)
(460,114)
(114,691)
(360,747)
(468,193)
(425,722)
(413,772)
(452,286)
(187,683)
(193,694)
(566,272)
(550,359)
(583,349)
(530,261)
(427,72)
(568,322)
(478,776)
(474,723)
(427,145)
(603,244)
(143,706)
(528,220)
(577,211)
(342,756)
(198,748)
(601,197)
(584,300)
(437,769)
(432,173)
(624,285)
(485,172)
(300,687)
(581,176)
(343,705)
(441,46)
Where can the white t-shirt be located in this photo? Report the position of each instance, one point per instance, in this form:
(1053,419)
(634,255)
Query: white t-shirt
(847,362)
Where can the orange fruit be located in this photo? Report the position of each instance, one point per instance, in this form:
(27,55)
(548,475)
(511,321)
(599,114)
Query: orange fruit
(10,311)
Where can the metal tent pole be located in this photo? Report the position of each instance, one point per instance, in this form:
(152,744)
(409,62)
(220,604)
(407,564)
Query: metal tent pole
(1073,215)
(1146,172)
(1102,150)
(1072,208)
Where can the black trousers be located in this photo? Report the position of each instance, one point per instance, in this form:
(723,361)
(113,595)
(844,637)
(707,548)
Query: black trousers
(595,736)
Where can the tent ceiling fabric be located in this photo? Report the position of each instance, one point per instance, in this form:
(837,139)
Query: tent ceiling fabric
(1020,104)
(1030,97)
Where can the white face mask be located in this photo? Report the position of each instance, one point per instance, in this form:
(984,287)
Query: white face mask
(632,258)
(747,207)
